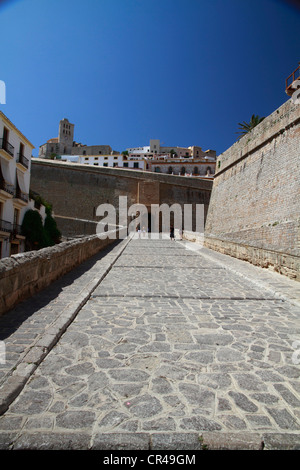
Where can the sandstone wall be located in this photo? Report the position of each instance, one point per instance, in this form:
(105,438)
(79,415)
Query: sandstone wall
(77,190)
(254,206)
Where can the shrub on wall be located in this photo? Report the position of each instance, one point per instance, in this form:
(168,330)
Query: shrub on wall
(33,230)
(39,235)
(51,229)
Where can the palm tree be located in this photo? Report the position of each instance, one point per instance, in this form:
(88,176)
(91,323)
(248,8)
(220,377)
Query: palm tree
(245,127)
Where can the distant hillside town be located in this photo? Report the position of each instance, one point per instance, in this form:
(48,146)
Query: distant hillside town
(185,161)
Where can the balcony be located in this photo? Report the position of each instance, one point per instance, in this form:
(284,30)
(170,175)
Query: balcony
(20,199)
(23,161)
(17,232)
(289,82)
(6,149)
(7,188)
(5,226)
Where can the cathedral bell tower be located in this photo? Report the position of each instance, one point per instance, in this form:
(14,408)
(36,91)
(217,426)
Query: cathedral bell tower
(66,133)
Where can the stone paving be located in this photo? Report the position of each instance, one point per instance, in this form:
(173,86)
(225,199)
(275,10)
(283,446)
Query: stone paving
(172,348)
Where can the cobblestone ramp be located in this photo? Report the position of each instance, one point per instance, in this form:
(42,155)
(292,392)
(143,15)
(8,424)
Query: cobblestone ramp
(171,350)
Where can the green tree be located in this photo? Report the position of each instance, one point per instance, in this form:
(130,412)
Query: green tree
(33,230)
(52,233)
(245,127)
(39,235)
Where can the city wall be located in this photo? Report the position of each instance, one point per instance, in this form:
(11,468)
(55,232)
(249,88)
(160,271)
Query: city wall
(76,190)
(25,274)
(254,206)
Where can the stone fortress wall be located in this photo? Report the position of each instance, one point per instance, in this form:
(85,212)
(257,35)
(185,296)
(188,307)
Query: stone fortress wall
(254,211)
(76,190)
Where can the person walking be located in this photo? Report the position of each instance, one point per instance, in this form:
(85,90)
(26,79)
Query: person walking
(172,236)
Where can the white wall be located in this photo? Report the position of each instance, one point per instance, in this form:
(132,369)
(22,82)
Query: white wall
(13,175)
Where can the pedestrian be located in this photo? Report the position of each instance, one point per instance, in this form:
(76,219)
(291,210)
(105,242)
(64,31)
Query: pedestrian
(172,236)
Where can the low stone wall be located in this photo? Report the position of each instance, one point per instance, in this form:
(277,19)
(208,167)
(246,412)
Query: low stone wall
(196,237)
(24,274)
(282,263)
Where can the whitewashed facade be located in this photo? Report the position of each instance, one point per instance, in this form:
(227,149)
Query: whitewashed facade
(110,161)
(15,166)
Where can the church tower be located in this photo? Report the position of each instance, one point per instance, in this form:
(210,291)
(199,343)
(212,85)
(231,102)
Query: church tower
(66,133)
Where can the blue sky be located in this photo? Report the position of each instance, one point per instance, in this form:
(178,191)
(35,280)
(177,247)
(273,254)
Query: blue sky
(125,71)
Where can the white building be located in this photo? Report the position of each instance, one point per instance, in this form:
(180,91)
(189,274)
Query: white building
(183,161)
(110,161)
(15,165)
(155,149)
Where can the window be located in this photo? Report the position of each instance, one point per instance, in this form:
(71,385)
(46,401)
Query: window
(14,248)
(84,152)
(16,216)
(125,164)
(5,135)
(135,164)
(104,164)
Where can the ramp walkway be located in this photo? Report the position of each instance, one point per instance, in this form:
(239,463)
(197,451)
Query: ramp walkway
(154,344)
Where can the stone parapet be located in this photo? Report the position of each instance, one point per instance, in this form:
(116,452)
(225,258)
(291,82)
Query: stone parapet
(282,263)
(24,274)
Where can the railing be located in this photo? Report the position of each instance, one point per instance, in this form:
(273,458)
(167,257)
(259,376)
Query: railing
(20,195)
(5,226)
(17,230)
(5,145)
(291,78)
(23,160)
(9,188)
